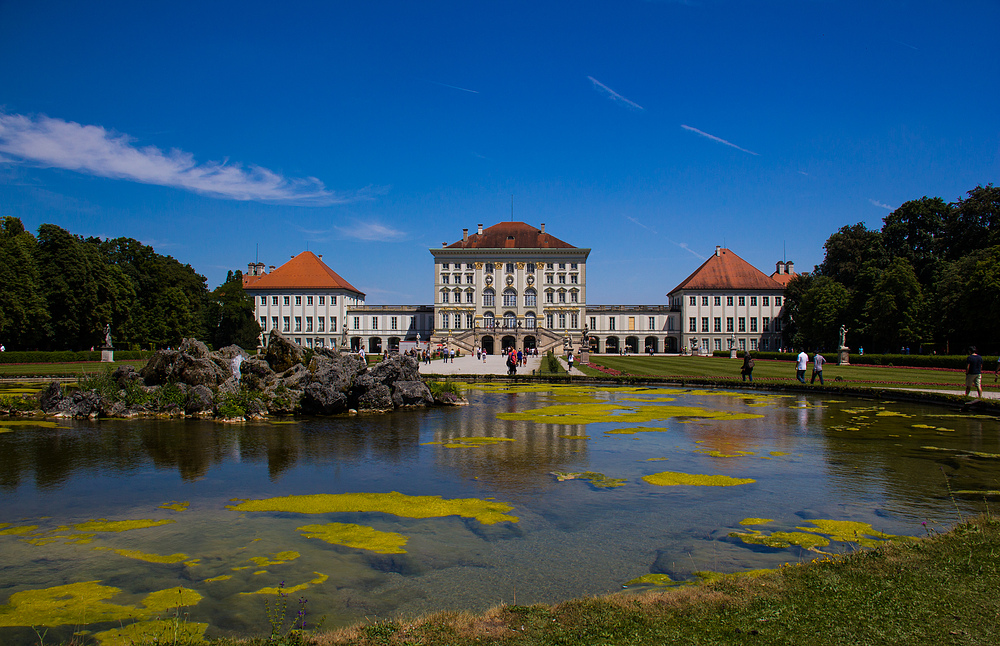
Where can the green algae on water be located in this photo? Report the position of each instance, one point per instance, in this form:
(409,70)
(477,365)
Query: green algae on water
(395,503)
(276,590)
(782,539)
(105,525)
(676,478)
(175,505)
(18,531)
(661,580)
(469,442)
(221,577)
(145,556)
(279,558)
(756,521)
(608,412)
(720,454)
(598,480)
(85,603)
(575,437)
(357,536)
(848,531)
(154,631)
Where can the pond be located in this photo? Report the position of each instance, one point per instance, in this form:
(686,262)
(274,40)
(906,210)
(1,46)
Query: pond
(532,493)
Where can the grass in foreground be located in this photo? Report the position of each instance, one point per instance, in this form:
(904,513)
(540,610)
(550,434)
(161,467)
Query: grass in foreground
(784,371)
(938,590)
(63,369)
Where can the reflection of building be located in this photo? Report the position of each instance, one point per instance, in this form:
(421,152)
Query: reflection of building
(727,300)
(510,285)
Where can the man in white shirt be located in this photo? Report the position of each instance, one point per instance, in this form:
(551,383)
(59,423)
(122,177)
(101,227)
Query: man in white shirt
(800,366)
(818,362)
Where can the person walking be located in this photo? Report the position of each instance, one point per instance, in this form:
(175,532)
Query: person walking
(569,360)
(974,372)
(747,371)
(818,362)
(800,366)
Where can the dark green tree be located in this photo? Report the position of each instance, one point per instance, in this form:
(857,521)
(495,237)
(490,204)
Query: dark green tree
(915,233)
(24,318)
(821,311)
(973,223)
(895,309)
(968,295)
(790,311)
(848,251)
(229,315)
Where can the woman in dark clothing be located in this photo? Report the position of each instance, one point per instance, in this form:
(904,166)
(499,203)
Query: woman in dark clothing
(747,370)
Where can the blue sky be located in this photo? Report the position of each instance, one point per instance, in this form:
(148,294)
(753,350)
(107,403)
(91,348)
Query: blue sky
(373,131)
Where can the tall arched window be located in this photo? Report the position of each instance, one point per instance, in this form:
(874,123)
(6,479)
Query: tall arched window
(529,320)
(489,297)
(509,320)
(444,296)
(509,298)
(488,319)
(530,298)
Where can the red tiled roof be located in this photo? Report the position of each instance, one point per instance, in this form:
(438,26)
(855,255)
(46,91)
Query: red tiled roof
(304,271)
(726,270)
(511,235)
(783,278)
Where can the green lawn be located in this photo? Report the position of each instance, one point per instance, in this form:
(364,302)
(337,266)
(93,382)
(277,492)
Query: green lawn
(62,369)
(784,372)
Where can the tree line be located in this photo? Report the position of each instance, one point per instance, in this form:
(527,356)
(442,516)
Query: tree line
(58,291)
(927,281)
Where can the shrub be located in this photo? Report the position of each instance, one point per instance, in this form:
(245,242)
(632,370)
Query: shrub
(953,361)
(439,387)
(15,403)
(551,363)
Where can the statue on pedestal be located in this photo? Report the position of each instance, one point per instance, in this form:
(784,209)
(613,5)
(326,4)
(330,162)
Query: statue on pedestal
(843,336)
(107,336)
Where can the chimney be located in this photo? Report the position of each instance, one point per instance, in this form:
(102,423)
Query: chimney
(444,244)
(465,235)
(293,256)
(320,256)
(779,267)
(270,268)
(543,227)
(789,267)
(251,269)
(480,229)
(718,250)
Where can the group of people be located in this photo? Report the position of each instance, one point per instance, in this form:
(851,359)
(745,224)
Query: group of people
(801,363)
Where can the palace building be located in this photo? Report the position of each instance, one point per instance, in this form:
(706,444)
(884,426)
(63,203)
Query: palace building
(514,285)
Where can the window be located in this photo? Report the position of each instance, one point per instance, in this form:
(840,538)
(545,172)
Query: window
(333,326)
(489,296)
(322,300)
(274,300)
(573,266)
(764,324)
(573,296)
(298,323)
(562,297)
(777,301)
(717,322)
(562,265)
(468,279)
(693,301)
(263,323)
(765,301)
(550,267)
(510,268)
(753,344)
(445,265)
(357,322)
(767,344)
(530,298)
(470,297)
(718,344)
(530,268)
(489,269)
(458,296)
(562,279)
(729,324)
(549,279)
(529,321)
(562,320)
(445,296)
(742,323)
(509,320)
(298,341)
(393,323)
(729,301)
(287,301)
(309,300)
(333,300)
(593,322)
(777,323)
(298,300)
(274,322)
(445,321)
(670,324)
(611,323)
(321,324)
(285,324)
(742,301)
(458,321)
(704,300)
(309,324)
(488,320)
(573,279)
(704,324)
(743,344)
(445,278)
(468,320)
(753,324)
(309,342)
(550,296)
(509,298)
(718,300)
(263,300)
(548,318)
(573,321)
(692,324)
(374,322)
(469,265)
(753,303)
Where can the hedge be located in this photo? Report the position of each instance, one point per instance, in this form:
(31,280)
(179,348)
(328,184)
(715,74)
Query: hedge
(953,361)
(69,356)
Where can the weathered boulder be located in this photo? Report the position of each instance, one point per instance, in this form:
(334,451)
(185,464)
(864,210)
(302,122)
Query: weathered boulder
(281,354)
(194,348)
(323,400)
(82,404)
(160,368)
(199,371)
(411,393)
(376,397)
(125,376)
(199,399)
(256,374)
(395,368)
(49,398)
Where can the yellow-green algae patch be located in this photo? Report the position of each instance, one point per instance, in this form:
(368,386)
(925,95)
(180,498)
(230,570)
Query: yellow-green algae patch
(655,459)
(922,426)
(320,578)
(85,603)
(778,454)
(891,413)
(146,556)
(358,536)
(221,577)
(395,503)
(720,454)
(636,429)
(676,478)
(175,505)
(41,423)
(848,531)
(575,437)
(19,531)
(469,442)
(599,480)
(756,521)
(782,539)
(154,631)
(607,412)
(653,579)
(105,525)
(279,558)
(707,576)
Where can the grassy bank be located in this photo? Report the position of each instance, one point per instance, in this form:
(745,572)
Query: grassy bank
(73,369)
(940,589)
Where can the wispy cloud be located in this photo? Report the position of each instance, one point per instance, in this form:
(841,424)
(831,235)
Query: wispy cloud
(881,205)
(640,224)
(359,230)
(684,246)
(614,96)
(455,87)
(93,150)
(718,139)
